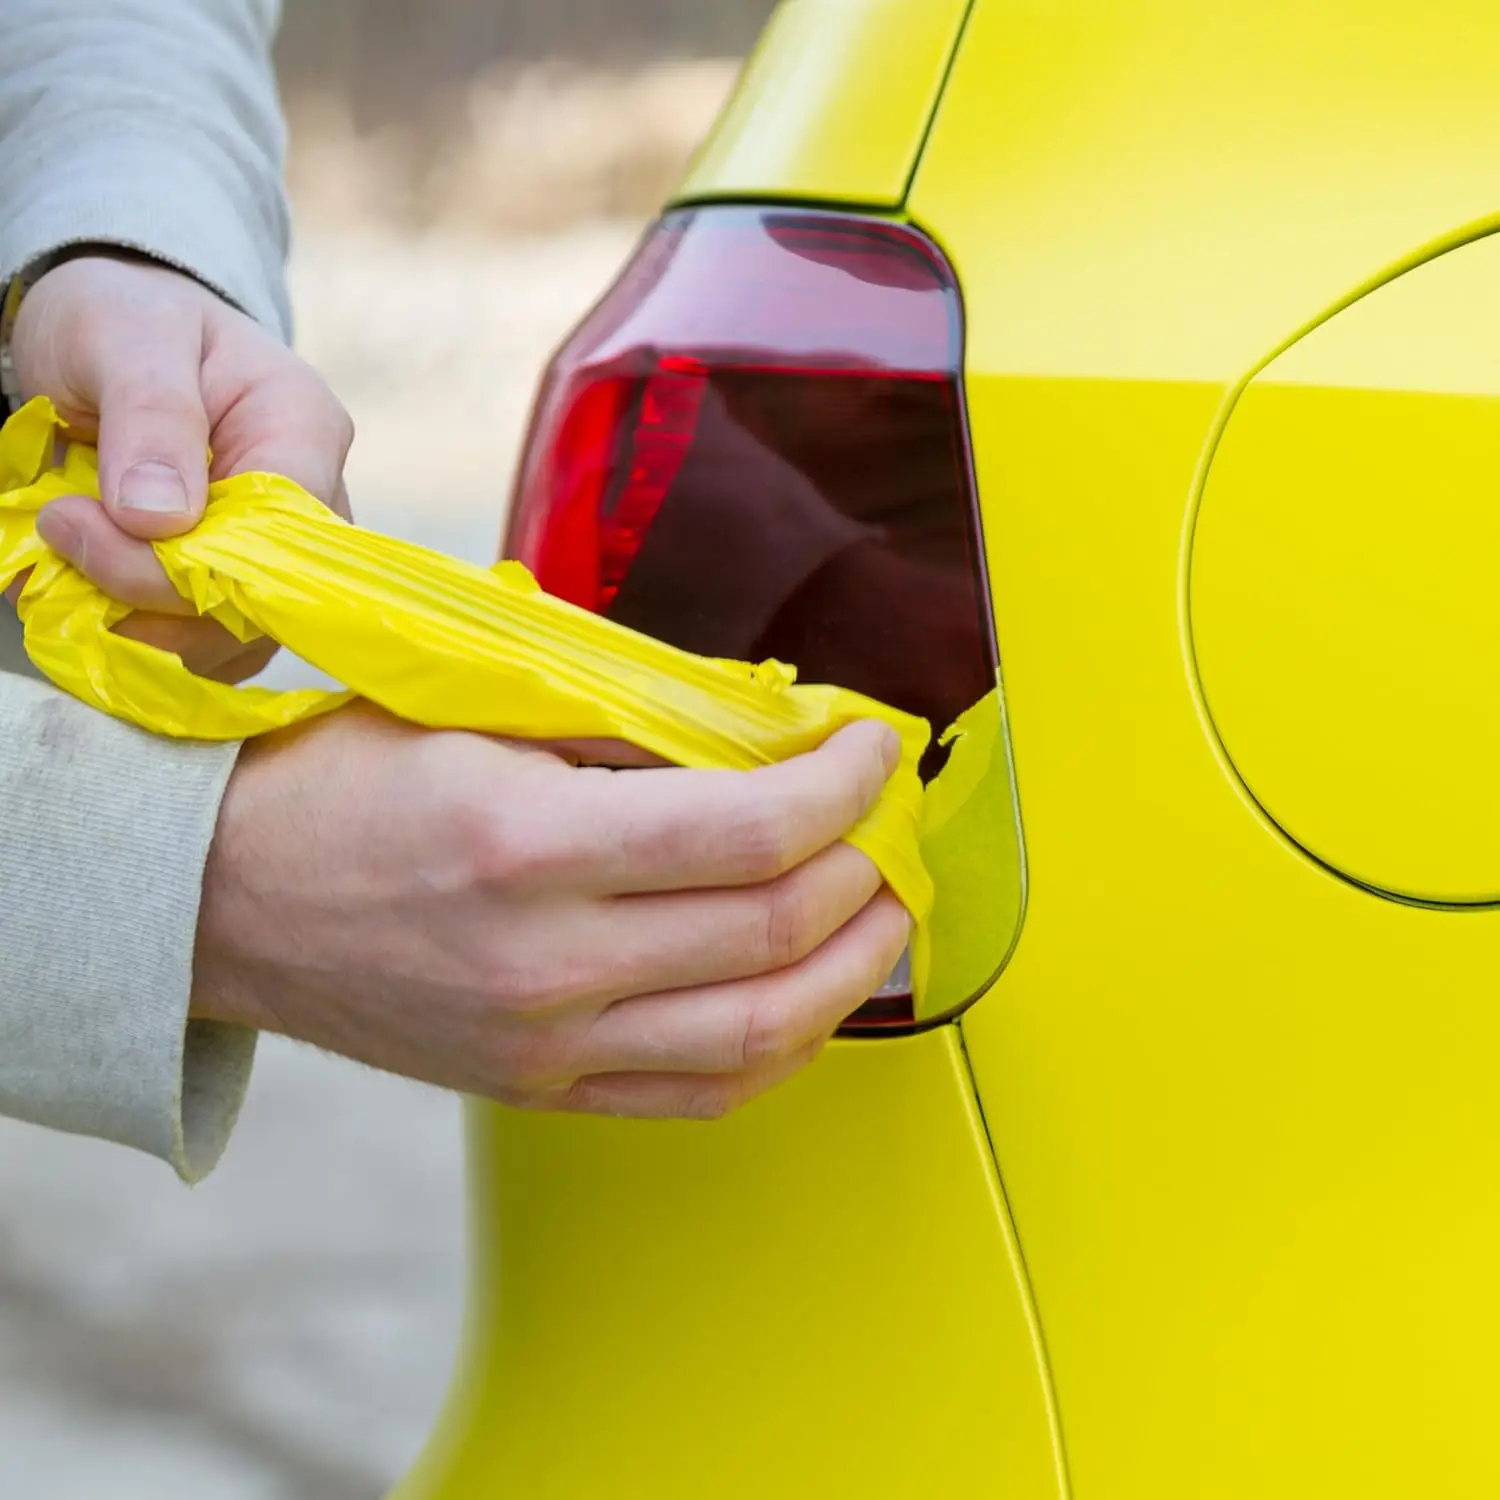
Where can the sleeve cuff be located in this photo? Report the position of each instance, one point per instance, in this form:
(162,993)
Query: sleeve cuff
(106,833)
(144,194)
(149,126)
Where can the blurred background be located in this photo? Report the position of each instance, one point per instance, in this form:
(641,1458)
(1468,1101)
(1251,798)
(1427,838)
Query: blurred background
(467,175)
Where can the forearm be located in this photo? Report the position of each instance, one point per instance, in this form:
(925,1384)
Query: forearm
(149,124)
(106,831)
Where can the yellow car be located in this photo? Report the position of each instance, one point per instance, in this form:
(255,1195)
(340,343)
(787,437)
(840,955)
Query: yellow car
(1147,351)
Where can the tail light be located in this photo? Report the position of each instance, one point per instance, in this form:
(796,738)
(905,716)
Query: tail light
(755,445)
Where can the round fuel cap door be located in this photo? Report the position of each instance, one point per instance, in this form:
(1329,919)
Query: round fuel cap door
(1345,585)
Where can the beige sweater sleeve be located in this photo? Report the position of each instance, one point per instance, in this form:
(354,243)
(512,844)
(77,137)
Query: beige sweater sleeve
(151,124)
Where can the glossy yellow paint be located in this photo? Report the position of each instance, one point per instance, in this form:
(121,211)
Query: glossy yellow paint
(812,1298)
(1345,611)
(1244,1110)
(833,105)
(1166,189)
(971,845)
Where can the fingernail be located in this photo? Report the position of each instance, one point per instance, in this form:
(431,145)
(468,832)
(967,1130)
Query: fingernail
(154,487)
(890,750)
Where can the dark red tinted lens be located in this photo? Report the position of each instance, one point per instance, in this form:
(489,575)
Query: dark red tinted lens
(756,446)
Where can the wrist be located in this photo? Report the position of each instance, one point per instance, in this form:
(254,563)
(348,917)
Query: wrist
(230,972)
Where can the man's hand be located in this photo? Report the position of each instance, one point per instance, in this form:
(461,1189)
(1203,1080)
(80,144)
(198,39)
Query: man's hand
(156,369)
(486,916)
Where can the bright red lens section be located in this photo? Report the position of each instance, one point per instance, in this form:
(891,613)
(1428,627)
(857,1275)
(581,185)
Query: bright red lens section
(755,445)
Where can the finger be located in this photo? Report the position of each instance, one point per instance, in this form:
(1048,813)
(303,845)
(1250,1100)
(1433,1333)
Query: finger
(153,428)
(750,1023)
(205,648)
(127,570)
(124,567)
(667,830)
(243,664)
(281,418)
(615,754)
(681,940)
(643,945)
(663,1096)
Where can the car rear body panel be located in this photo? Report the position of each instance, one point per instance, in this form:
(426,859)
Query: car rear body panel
(819,1296)
(833,106)
(1244,1109)
(1168,190)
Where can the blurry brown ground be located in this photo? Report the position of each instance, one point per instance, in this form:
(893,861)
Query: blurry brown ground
(466,174)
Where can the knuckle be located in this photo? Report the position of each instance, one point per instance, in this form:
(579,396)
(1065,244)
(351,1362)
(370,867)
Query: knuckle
(485,835)
(758,844)
(506,989)
(538,986)
(538,1061)
(520,1096)
(586,1096)
(306,431)
(516,834)
(162,416)
(502,847)
(707,1102)
(329,416)
(527,859)
(768,1031)
(786,924)
(343,427)
(874,773)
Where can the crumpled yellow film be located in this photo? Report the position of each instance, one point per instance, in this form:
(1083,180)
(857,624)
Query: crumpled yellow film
(448,645)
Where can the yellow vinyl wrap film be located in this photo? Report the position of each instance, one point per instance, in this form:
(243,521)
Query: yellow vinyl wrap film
(448,645)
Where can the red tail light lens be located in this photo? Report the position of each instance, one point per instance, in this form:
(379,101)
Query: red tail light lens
(755,445)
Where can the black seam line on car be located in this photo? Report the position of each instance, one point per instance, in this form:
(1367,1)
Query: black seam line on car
(859,208)
(1028,1291)
(1466,234)
(895,211)
(1023,871)
(937,99)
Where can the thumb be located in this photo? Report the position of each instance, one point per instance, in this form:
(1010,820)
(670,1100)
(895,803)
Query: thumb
(153,435)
